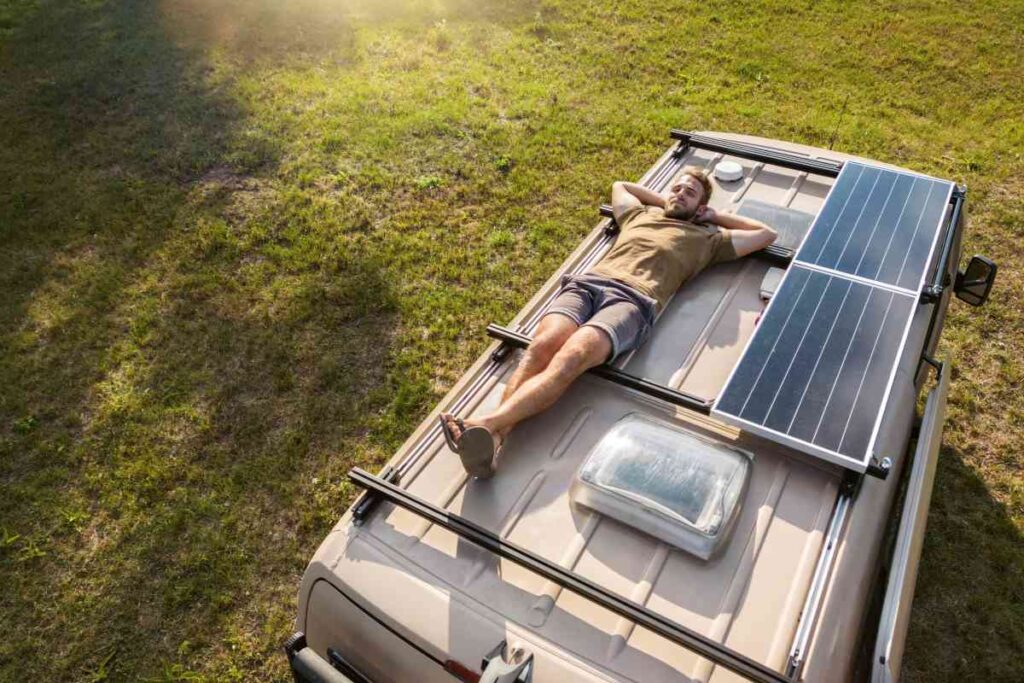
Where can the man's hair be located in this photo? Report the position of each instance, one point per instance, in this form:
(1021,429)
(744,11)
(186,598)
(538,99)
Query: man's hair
(702,177)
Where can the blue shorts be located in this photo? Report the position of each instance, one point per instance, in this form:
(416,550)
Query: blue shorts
(620,311)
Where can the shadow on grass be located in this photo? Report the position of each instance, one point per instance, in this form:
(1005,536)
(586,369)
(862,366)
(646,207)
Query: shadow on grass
(189,342)
(164,374)
(970,589)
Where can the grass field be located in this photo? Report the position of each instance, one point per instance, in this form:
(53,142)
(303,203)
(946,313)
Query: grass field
(247,244)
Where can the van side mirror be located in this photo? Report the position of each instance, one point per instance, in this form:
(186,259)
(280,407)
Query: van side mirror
(974,284)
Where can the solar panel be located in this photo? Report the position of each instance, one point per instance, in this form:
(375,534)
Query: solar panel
(816,373)
(878,224)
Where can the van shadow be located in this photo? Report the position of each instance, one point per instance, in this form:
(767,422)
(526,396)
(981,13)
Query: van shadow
(969,596)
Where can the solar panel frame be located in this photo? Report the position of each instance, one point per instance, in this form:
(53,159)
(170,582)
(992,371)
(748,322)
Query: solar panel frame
(835,456)
(940,206)
(837,327)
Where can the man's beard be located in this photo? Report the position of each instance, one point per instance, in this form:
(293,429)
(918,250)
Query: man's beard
(677,210)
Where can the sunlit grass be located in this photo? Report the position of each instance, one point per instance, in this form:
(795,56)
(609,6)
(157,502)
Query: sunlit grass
(248,244)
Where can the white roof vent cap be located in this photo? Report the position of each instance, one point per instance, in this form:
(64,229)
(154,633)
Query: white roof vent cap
(728,171)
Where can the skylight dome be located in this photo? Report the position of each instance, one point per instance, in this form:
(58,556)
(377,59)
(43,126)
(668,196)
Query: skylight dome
(666,481)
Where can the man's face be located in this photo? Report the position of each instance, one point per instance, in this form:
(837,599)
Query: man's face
(684,198)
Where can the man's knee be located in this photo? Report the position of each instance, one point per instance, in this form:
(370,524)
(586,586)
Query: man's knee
(543,348)
(584,349)
(552,334)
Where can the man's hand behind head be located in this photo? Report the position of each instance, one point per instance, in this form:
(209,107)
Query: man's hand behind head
(705,214)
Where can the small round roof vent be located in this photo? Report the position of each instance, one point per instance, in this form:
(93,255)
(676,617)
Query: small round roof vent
(728,171)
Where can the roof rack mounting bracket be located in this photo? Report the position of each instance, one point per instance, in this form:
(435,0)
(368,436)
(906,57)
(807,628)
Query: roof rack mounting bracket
(369,500)
(937,364)
(879,468)
(850,484)
(502,353)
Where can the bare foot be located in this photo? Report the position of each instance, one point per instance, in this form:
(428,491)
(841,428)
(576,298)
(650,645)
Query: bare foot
(498,436)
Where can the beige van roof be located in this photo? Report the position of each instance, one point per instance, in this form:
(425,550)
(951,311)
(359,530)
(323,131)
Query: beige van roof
(749,597)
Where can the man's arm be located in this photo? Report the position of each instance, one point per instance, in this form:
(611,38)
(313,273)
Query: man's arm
(626,196)
(750,234)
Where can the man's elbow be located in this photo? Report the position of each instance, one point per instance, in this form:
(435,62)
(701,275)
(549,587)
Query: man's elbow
(753,239)
(621,198)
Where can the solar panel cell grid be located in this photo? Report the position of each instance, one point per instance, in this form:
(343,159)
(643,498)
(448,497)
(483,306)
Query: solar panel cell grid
(817,372)
(879,225)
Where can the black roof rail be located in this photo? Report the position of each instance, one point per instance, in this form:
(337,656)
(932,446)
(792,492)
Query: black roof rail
(932,292)
(643,617)
(767,155)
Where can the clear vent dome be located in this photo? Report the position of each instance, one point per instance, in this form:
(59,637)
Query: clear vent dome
(666,481)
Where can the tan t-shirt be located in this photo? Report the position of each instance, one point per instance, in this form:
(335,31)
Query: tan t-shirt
(655,254)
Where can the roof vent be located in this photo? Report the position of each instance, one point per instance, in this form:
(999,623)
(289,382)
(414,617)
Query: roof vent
(728,171)
(666,481)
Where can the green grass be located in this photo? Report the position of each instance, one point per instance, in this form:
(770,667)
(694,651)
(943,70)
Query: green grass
(247,244)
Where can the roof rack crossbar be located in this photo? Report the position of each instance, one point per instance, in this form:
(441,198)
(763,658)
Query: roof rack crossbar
(774,254)
(766,155)
(367,501)
(644,386)
(656,623)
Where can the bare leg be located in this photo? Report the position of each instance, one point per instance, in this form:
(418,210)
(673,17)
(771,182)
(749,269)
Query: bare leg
(585,348)
(552,333)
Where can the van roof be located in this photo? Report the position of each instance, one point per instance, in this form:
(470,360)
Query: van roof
(749,597)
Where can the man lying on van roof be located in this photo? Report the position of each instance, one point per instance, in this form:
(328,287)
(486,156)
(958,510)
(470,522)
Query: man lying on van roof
(664,240)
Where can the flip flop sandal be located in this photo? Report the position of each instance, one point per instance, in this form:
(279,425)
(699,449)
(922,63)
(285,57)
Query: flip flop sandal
(476,448)
(449,435)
